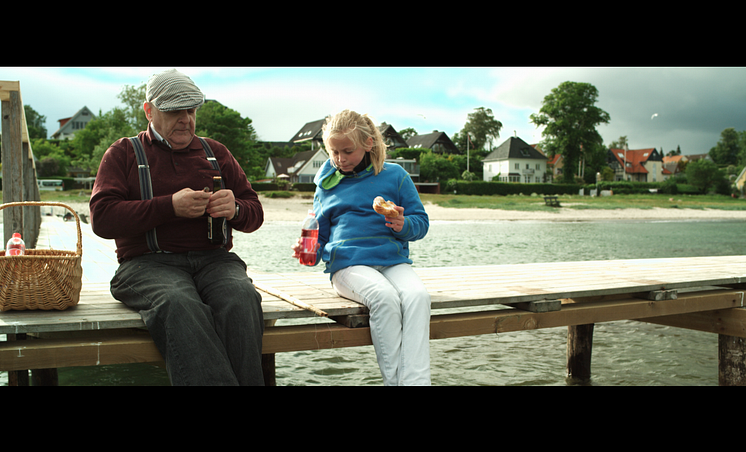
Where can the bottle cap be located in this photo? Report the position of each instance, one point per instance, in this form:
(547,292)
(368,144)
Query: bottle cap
(17,234)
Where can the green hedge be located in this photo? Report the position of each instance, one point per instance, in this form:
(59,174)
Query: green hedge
(271,186)
(633,188)
(462,187)
(265,186)
(307,186)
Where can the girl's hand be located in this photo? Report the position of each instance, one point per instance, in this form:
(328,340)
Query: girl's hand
(396,223)
(297,247)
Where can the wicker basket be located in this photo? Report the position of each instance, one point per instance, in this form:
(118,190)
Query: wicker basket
(41,279)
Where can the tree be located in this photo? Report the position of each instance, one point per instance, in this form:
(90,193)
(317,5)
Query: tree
(90,143)
(704,175)
(593,160)
(619,144)
(727,150)
(226,125)
(570,119)
(52,159)
(434,167)
(742,147)
(482,128)
(133,99)
(672,153)
(407,133)
(35,123)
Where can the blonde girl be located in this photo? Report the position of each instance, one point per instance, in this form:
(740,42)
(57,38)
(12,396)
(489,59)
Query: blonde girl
(367,254)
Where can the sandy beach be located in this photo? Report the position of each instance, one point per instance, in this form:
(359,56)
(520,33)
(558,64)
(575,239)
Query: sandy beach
(295,209)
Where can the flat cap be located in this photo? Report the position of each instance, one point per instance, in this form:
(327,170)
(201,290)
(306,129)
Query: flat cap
(171,90)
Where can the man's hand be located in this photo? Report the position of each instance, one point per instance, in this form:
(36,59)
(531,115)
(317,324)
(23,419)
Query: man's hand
(189,203)
(222,204)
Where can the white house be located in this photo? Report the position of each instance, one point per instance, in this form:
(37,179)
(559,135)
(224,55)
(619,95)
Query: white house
(515,161)
(741,182)
(68,126)
(299,169)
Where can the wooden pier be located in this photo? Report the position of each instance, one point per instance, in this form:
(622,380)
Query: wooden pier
(701,293)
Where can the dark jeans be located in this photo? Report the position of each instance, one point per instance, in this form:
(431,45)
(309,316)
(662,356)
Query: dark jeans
(203,312)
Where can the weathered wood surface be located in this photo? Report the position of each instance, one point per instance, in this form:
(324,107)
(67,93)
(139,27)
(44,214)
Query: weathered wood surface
(450,287)
(89,348)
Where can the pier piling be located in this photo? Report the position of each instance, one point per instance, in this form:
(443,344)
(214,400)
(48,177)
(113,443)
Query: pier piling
(579,347)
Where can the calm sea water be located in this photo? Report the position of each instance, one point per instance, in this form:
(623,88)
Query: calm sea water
(624,353)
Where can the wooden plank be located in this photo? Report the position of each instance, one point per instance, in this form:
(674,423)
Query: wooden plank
(55,353)
(540,306)
(51,353)
(504,321)
(729,322)
(6,86)
(449,288)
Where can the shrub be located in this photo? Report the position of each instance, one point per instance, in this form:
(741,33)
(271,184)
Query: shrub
(504,188)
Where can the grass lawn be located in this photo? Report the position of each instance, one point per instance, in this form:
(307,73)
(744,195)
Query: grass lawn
(536,203)
(529,203)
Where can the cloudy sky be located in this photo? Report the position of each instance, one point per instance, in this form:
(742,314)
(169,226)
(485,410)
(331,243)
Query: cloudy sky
(693,105)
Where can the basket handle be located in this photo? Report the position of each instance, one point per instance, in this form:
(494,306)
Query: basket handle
(58,204)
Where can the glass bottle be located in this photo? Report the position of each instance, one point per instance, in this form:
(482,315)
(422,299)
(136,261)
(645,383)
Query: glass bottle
(217,227)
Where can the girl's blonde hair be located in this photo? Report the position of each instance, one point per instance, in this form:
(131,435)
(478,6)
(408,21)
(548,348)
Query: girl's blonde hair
(358,128)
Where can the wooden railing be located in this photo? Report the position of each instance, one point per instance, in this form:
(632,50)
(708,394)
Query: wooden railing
(19,170)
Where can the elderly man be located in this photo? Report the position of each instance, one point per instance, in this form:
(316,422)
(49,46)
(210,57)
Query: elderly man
(193,294)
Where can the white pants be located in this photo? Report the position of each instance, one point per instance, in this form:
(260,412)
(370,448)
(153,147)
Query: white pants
(399,308)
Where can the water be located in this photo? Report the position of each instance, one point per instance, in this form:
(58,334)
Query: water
(625,353)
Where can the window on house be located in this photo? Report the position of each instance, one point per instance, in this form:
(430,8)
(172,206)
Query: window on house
(517,166)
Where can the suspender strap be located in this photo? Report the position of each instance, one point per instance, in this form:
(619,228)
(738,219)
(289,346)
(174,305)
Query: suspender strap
(211,158)
(146,188)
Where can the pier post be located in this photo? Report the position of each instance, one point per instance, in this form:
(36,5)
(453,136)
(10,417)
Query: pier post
(12,158)
(268,361)
(17,377)
(268,369)
(731,360)
(579,345)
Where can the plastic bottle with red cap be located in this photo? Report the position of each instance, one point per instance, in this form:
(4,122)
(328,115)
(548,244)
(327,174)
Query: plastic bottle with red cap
(309,239)
(15,246)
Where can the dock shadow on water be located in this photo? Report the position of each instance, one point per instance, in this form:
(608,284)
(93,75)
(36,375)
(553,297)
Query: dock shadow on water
(625,353)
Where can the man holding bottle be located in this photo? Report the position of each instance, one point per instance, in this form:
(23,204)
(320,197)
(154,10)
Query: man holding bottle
(153,196)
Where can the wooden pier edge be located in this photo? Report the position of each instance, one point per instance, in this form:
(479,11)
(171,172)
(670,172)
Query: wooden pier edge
(137,346)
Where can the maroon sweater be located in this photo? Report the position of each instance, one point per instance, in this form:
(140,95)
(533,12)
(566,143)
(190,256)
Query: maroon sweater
(117,211)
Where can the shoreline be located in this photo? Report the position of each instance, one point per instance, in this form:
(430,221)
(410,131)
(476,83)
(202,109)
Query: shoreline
(296,208)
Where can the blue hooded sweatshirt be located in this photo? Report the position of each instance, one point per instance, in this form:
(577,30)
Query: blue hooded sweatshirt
(350,231)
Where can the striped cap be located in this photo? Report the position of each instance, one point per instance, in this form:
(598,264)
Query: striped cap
(171,90)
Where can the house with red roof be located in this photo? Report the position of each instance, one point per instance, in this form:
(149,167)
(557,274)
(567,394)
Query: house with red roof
(637,165)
